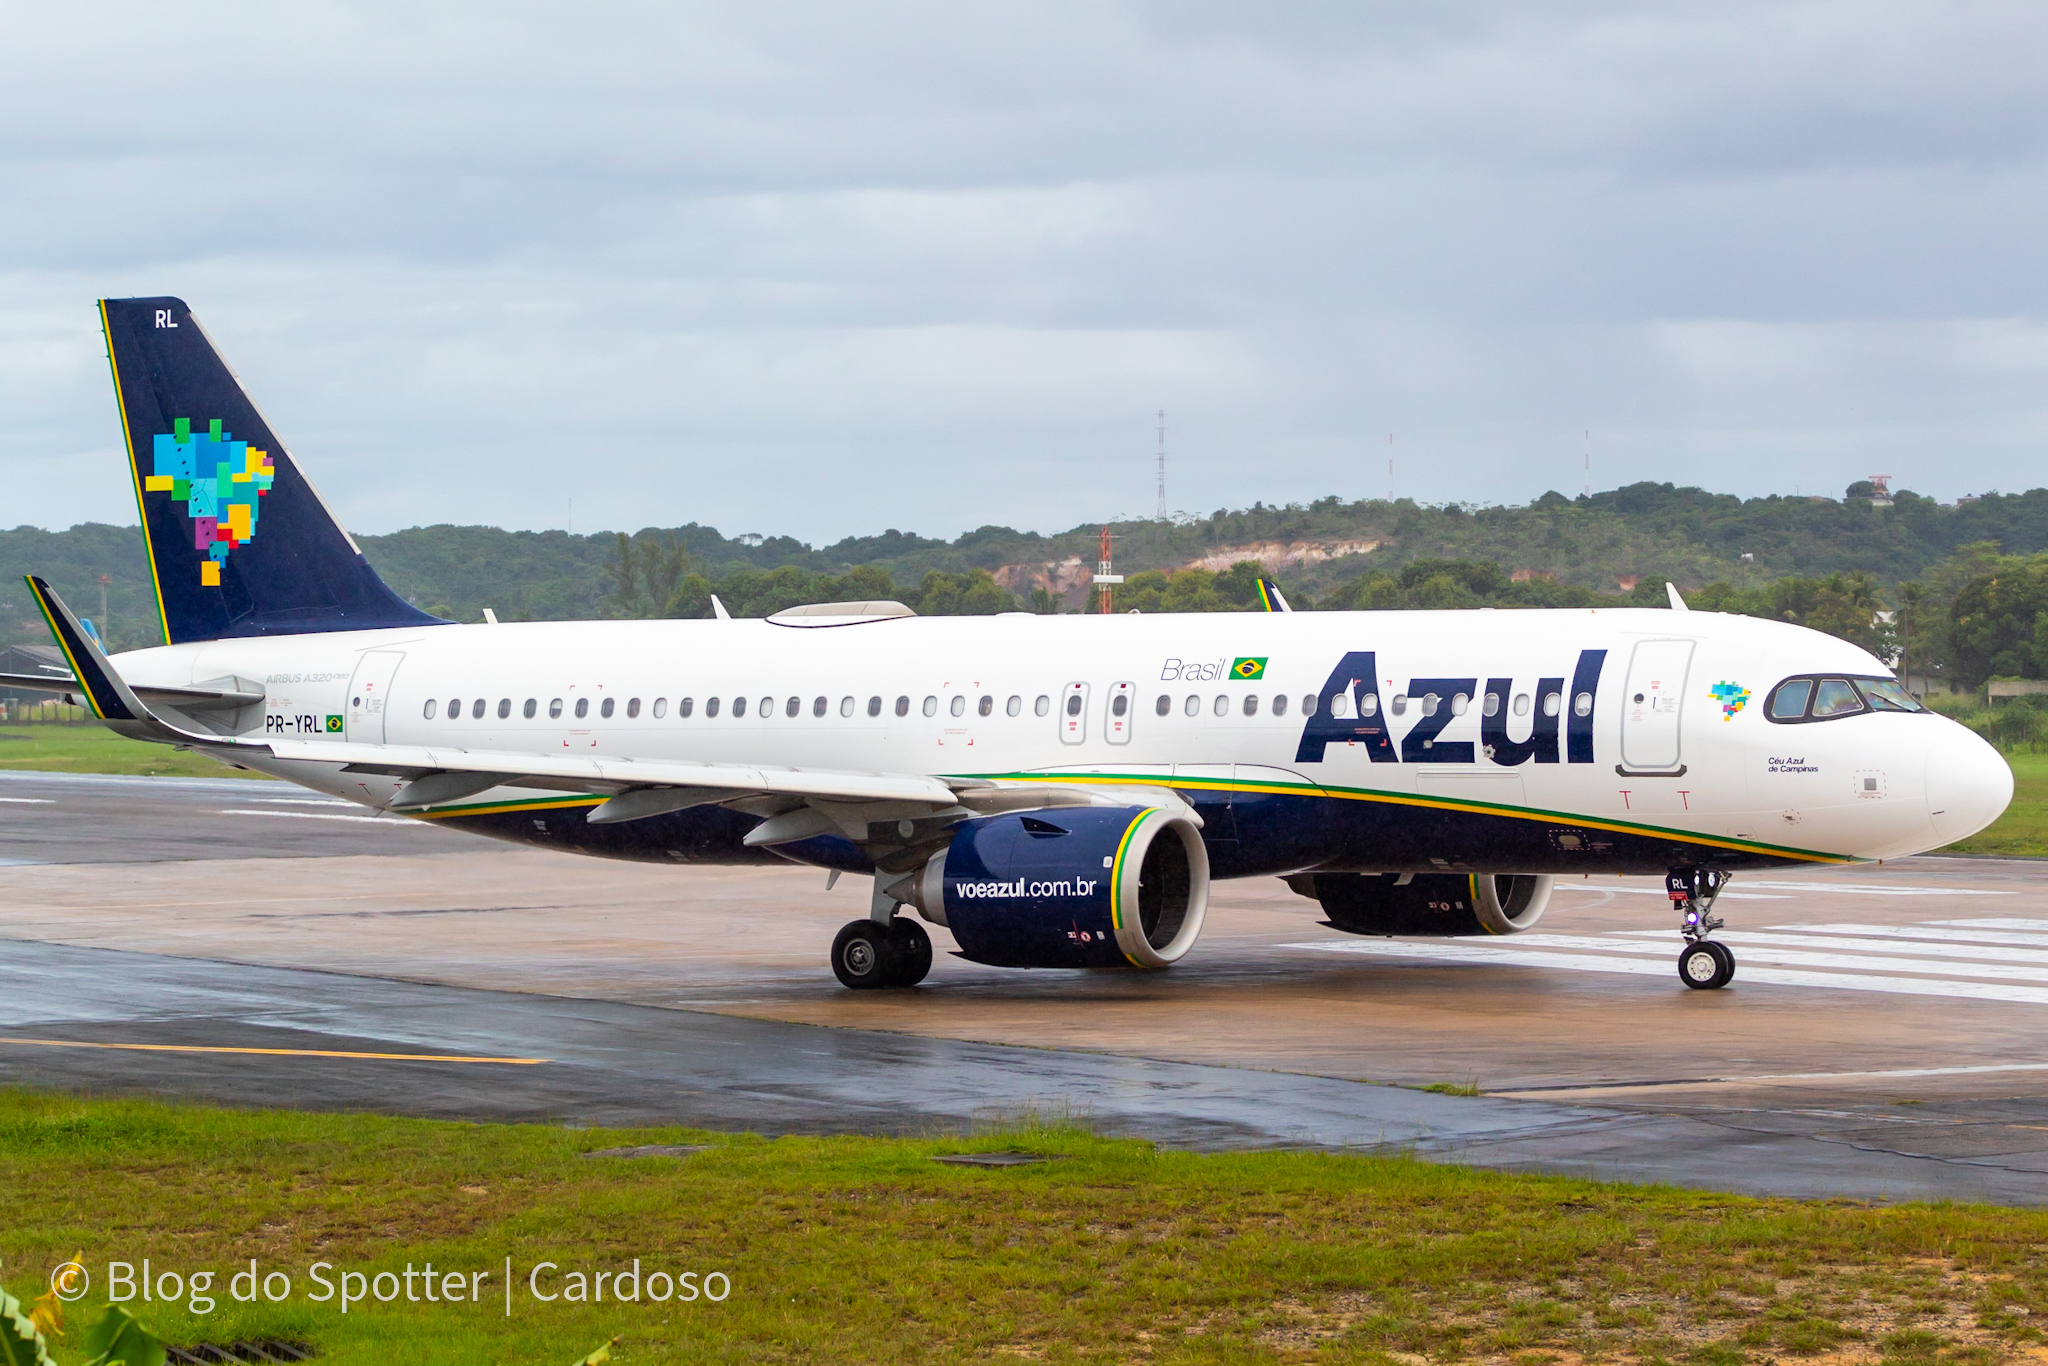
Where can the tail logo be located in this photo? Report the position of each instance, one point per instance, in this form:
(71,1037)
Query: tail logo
(221,482)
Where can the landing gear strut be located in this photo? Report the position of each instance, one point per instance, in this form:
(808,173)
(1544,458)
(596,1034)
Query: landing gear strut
(1704,964)
(867,954)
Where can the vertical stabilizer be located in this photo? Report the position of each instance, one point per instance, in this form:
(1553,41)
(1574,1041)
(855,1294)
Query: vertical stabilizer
(240,543)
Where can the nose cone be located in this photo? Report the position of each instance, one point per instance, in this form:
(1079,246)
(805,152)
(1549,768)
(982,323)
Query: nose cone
(1968,784)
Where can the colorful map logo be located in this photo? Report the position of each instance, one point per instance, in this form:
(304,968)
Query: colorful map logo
(221,482)
(1731,696)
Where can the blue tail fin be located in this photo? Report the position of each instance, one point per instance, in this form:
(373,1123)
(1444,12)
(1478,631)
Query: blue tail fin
(239,541)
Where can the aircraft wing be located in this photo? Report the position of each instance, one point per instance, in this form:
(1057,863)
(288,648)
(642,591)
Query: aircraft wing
(189,699)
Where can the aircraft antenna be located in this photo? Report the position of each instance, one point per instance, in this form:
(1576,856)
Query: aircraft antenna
(1162,464)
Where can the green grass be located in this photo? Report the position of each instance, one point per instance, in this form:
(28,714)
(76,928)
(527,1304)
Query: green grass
(95,749)
(863,1250)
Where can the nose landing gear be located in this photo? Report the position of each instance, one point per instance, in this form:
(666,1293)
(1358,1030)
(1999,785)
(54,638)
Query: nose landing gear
(1704,964)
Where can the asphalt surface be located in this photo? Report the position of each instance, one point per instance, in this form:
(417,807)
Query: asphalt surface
(1851,1089)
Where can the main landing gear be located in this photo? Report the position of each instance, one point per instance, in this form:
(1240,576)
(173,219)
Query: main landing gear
(1703,964)
(869,954)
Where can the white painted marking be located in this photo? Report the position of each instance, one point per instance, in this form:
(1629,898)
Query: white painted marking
(1659,892)
(1764,949)
(1870,888)
(1929,932)
(30,801)
(1777,977)
(302,801)
(1983,953)
(2005,923)
(392,822)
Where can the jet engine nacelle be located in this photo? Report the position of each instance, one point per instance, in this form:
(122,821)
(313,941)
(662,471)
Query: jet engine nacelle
(1075,887)
(1435,904)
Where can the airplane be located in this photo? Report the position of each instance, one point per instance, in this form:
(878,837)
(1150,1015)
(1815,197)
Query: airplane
(1053,791)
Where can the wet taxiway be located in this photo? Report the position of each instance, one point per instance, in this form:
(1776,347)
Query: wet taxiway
(1880,1040)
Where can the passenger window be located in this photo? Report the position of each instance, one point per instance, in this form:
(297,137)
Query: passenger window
(874,706)
(818,705)
(1491,706)
(986,707)
(1369,705)
(1400,704)
(958,706)
(1280,704)
(1460,704)
(532,706)
(1194,705)
(739,707)
(1835,697)
(582,707)
(1429,703)
(454,709)
(1251,704)
(1163,707)
(504,708)
(476,710)
(1340,706)
(555,709)
(767,708)
(632,708)
(1552,703)
(931,706)
(1521,704)
(792,707)
(1014,707)
(1222,707)
(903,706)
(433,705)
(1582,705)
(1074,704)
(606,709)
(685,705)
(710,707)
(846,705)
(1119,705)
(1041,706)
(1308,704)
(660,707)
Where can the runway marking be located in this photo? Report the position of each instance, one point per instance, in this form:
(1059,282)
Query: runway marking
(1888,1074)
(301,801)
(1834,944)
(271,1052)
(2003,923)
(394,822)
(1660,893)
(1833,957)
(1937,932)
(1872,888)
(30,801)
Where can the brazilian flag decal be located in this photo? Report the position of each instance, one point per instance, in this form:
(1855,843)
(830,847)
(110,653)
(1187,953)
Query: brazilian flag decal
(1245,670)
(334,725)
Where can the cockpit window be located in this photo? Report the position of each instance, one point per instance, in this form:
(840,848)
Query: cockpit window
(1788,703)
(1835,697)
(1887,694)
(1829,699)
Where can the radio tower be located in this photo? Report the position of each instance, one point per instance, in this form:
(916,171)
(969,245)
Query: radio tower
(1162,464)
(1104,577)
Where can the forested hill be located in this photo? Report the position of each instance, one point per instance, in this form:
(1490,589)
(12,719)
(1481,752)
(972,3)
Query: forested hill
(1605,543)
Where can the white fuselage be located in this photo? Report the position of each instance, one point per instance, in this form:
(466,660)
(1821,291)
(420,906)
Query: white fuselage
(995,697)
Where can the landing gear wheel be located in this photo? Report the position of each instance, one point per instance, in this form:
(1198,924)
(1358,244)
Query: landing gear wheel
(1706,965)
(862,956)
(911,948)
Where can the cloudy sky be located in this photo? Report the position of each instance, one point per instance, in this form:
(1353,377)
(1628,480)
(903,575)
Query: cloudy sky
(830,269)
